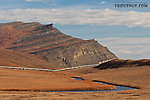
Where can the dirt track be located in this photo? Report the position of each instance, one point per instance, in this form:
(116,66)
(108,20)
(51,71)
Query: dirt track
(26,80)
(133,76)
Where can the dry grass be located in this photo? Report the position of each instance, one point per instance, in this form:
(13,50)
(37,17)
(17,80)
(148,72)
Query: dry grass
(128,76)
(25,80)
(12,58)
(132,76)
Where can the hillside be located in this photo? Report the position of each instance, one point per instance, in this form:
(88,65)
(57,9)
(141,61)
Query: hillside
(118,63)
(12,58)
(51,44)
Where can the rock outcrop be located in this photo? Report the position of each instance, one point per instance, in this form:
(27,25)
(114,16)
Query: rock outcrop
(119,63)
(51,44)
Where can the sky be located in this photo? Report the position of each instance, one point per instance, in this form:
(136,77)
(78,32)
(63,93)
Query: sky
(124,30)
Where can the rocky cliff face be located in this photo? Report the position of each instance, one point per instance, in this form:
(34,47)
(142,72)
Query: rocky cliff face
(51,44)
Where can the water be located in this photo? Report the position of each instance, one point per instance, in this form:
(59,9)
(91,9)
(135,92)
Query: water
(76,78)
(118,87)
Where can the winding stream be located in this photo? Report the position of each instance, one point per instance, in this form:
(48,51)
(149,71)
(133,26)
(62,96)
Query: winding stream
(118,87)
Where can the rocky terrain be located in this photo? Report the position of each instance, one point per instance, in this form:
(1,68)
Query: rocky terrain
(118,63)
(43,46)
(51,45)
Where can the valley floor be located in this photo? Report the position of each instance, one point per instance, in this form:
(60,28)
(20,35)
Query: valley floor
(129,76)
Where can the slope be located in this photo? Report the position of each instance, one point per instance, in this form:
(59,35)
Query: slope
(11,58)
(51,44)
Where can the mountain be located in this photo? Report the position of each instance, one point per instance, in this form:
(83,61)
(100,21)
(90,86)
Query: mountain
(51,45)
(118,63)
(12,58)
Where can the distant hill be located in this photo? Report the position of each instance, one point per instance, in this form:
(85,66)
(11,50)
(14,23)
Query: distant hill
(51,45)
(118,63)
